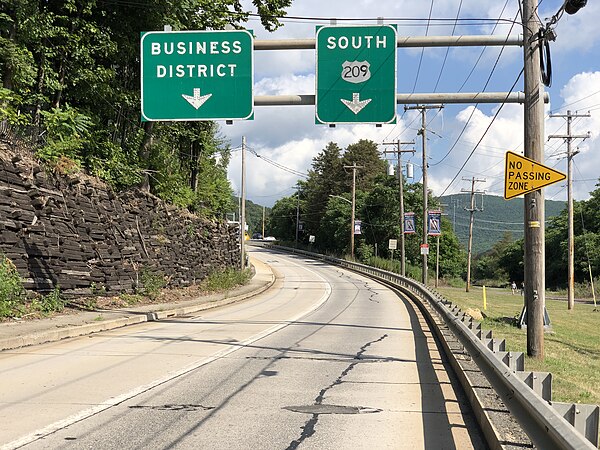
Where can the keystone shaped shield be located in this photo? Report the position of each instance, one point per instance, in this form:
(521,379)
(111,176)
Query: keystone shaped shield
(356,71)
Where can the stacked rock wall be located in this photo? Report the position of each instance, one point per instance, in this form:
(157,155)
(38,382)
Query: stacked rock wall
(76,233)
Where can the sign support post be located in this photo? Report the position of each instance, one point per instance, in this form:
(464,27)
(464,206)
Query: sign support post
(534,214)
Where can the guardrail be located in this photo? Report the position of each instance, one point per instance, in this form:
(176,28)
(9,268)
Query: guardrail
(524,394)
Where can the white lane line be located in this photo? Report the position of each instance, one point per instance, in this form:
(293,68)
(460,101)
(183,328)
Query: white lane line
(86,413)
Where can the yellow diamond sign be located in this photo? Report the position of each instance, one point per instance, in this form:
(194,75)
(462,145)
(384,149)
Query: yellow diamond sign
(523,175)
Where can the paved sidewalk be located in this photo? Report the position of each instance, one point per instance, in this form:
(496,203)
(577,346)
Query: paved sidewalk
(31,332)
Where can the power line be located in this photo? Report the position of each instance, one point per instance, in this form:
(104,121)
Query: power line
(423,49)
(448,48)
(484,134)
(477,104)
(278,165)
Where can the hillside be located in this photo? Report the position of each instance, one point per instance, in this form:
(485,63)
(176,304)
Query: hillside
(253,215)
(497,217)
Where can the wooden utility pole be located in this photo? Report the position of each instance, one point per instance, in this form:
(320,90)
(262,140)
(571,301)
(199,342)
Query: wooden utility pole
(399,152)
(263,223)
(243,207)
(353,167)
(534,213)
(472,211)
(297,213)
(568,138)
(423,133)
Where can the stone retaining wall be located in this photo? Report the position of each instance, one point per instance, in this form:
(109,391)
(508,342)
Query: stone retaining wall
(76,233)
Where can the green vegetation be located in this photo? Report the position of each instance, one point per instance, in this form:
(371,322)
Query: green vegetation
(572,348)
(225,280)
(12,293)
(254,215)
(14,301)
(325,211)
(70,78)
(503,262)
(497,219)
(131,299)
(151,283)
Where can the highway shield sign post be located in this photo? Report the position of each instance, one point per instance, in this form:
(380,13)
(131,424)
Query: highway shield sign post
(197,75)
(356,74)
(523,175)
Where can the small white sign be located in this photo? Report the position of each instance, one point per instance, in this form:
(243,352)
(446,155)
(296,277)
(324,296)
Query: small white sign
(393,244)
(311,239)
(424,249)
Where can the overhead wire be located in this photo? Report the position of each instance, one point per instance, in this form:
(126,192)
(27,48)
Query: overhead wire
(477,104)
(276,164)
(423,49)
(448,48)
(484,134)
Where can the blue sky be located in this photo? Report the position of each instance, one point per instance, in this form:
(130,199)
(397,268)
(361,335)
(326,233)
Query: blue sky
(288,136)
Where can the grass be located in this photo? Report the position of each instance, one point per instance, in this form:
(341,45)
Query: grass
(225,280)
(572,347)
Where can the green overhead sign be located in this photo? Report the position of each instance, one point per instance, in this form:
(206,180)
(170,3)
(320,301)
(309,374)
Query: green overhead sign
(356,74)
(197,75)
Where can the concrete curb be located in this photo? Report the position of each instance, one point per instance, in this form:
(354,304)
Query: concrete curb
(130,318)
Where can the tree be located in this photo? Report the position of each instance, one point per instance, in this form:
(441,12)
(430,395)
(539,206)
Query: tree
(334,232)
(282,220)
(366,154)
(487,266)
(71,67)
(324,179)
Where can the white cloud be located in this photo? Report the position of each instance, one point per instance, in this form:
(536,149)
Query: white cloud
(289,136)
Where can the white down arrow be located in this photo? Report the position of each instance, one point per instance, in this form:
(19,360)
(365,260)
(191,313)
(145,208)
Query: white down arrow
(196,100)
(356,105)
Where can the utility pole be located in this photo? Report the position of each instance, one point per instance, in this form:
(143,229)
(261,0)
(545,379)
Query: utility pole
(399,152)
(353,167)
(243,207)
(437,251)
(423,133)
(263,223)
(297,213)
(568,138)
(534,213)
(471,210)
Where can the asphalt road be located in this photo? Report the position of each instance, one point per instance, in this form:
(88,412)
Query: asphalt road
(325,359)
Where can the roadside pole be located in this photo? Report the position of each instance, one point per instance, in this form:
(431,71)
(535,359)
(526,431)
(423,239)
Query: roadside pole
(534,202)
(568,138)
(399,152)
(243,207)
(423,133)
(353,218)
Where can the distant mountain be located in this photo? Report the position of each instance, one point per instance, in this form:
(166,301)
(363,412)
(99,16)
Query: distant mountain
(497,216)
(253,215)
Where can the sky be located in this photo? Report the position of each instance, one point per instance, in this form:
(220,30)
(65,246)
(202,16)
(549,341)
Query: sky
(286,139)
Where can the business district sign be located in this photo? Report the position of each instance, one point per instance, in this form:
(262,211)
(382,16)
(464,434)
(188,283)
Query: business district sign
(197,75)
(356,74)
(523,175)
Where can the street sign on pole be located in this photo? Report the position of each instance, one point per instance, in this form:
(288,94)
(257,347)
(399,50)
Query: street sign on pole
(393,244)
(196,75)
(523,175)
(356,74)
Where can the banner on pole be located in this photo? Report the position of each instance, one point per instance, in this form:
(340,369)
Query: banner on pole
(357,225)
(434,223)
(409,223)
